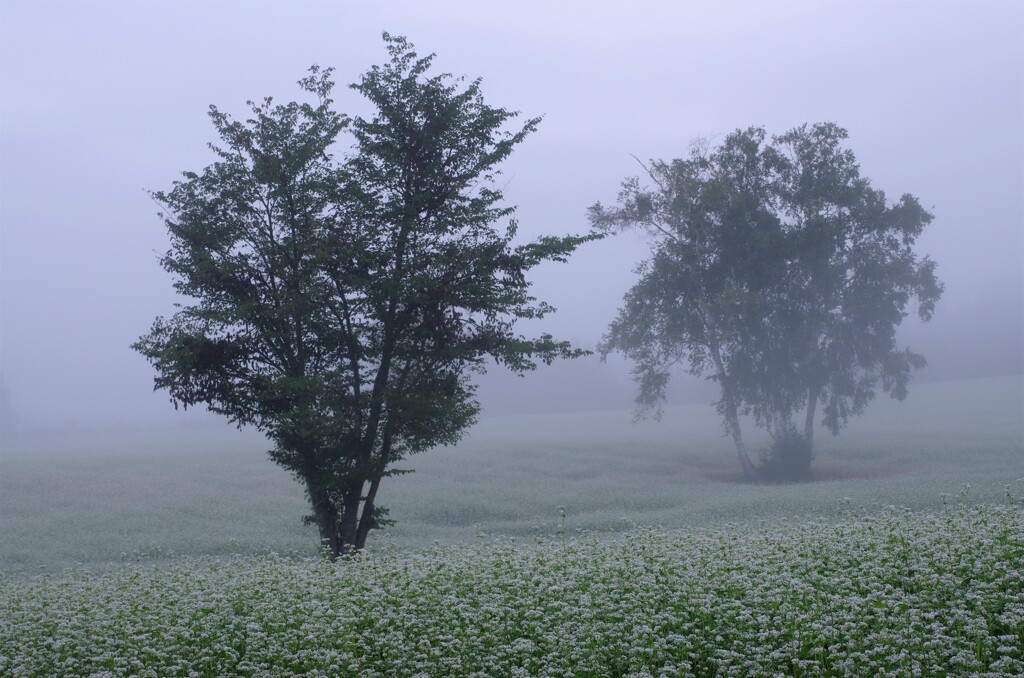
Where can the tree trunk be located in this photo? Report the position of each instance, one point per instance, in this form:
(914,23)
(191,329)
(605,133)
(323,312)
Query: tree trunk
(732,419)
(366,519)
(349,525)
(326,520)
(733,423)
(812,404)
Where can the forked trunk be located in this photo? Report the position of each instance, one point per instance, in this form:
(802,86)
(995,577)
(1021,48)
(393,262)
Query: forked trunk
(349,525)
(329,537)
(326,521)
(366,519)
(733,423)
(812,404)
(732,418)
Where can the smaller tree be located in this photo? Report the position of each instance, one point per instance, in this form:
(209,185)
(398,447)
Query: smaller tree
(778,271)
(708,269)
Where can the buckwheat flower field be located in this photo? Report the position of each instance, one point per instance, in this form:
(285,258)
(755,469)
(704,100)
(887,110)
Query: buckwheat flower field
(561,545)
(890,594)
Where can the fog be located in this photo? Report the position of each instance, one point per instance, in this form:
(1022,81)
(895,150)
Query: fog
(100,102)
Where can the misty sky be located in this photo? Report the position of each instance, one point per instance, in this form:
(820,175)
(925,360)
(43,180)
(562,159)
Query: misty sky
(101,101)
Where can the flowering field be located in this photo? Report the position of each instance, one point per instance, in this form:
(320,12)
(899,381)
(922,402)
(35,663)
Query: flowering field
(889,592)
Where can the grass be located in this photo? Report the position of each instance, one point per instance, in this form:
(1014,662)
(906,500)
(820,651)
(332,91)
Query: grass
(96,502)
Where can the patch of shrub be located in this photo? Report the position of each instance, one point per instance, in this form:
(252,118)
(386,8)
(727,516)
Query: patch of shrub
(788,459)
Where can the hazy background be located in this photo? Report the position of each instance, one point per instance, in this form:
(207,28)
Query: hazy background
(101,101)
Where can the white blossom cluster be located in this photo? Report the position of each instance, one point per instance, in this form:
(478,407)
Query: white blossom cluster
(889,594)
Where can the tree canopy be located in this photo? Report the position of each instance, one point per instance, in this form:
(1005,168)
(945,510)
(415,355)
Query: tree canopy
(341,305)
(778,271)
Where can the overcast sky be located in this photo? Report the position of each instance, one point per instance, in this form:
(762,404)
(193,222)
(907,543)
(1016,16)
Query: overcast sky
(100,101)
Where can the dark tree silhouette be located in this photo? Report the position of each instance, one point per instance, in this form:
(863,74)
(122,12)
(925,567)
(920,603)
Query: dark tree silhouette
(341,306)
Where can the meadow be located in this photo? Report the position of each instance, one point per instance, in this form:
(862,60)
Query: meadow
(563,544)
(95,501)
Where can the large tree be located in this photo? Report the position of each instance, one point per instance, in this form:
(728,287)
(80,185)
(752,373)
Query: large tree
(778,271)
(342,306)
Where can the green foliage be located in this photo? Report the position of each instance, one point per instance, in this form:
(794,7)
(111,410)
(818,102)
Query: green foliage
(776,270)
(341,306)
